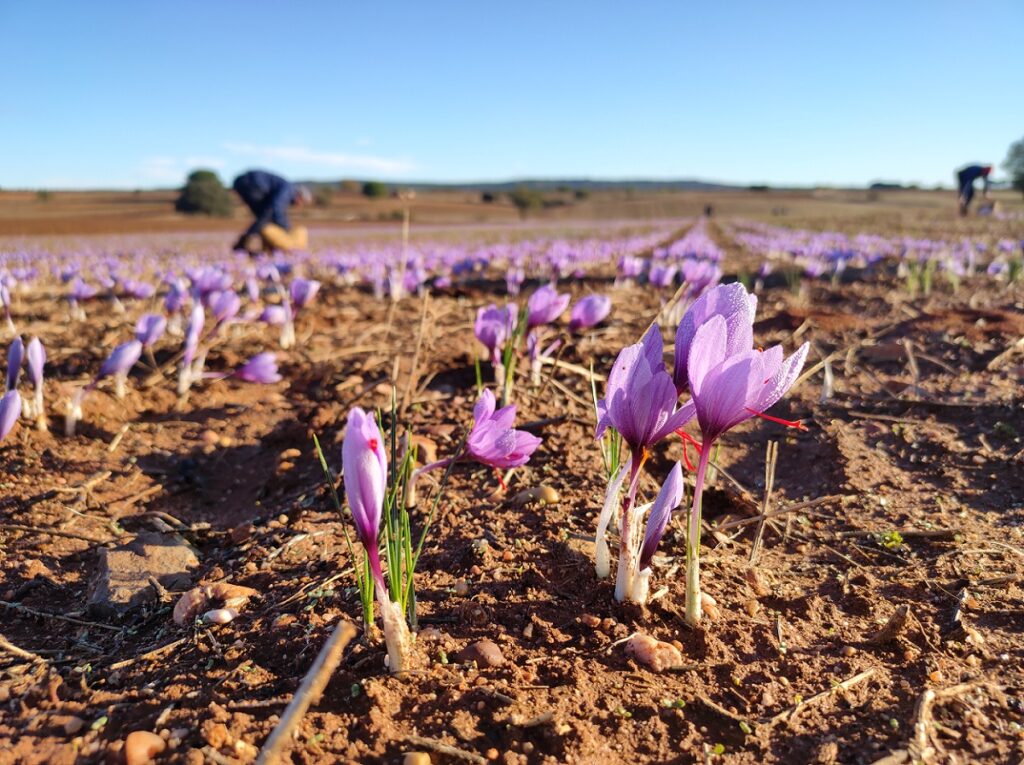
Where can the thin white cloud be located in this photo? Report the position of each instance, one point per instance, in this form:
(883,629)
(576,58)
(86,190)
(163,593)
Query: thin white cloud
(305,156)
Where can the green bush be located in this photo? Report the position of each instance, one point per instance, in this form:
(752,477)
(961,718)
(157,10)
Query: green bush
(322,196)
(375,190)
(526,199)
(204,194)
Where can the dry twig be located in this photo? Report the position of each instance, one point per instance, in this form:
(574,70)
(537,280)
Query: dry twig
(313,685)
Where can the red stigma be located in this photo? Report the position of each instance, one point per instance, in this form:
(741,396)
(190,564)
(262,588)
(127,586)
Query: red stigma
(501,480)
(788,423)
(689,440)
(373,444)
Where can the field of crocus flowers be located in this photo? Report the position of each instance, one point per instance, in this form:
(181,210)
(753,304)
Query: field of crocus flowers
(691,490)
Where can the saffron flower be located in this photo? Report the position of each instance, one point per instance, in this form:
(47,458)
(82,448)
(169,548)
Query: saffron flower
(225,306)
(366,469)
(35,362)
(193,332)
(641,404)
(545,305)
(727,390)
(15,355)
(302,292)
(10,410)
(730,301)
(261,368)
(589,312)
(494,327)
(118,364)
(669,498)
(150,328)
(274,315)
(493,441)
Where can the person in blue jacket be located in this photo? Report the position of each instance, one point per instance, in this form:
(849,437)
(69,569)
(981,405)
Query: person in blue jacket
(965,178)
(269,196)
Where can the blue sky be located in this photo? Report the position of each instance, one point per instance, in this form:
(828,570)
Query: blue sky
(130,94)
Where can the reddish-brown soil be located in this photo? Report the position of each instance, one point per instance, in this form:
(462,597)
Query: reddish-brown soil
(919,436)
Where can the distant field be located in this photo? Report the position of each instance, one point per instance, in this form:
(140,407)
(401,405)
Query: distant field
(99,212)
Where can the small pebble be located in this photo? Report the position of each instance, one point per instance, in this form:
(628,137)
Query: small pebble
(491,754)
(209,437)
(848,651)
(290,454)
(416,758)
(461,588)
(589,620)
(484,652)
(141,747)
(73,724)
(508,556)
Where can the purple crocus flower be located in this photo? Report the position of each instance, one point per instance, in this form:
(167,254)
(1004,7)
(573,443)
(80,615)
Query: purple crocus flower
(589,312)
(274,315)
(366,469)
(493,441)
(366,472)
(36,360)
(150,328)
(193,332)
(728,389)
(640,399)
(10,410)
(730,301)
(121,360)
(225,306)
(261,368)
(545,305)
(669,497)
(302,292)
(15,355)
(640,403)
(493,327)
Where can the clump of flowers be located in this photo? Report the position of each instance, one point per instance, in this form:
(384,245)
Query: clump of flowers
(729,382)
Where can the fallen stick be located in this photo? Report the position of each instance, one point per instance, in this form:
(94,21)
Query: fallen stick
(788,714)
(784,510)
(313,685)
(55,533)
(43,614)
(945,535)
(21,653)
(998,360)
(442,748)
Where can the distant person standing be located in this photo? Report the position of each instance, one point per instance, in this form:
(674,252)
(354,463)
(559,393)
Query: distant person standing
(269,196)
(965,179)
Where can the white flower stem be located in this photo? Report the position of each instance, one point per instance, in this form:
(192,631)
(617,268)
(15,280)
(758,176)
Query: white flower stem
(693,595)
(396,631)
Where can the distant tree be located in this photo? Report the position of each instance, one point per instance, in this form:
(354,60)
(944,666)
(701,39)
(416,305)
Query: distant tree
(352,187)
(375,190)
(581,194)
(204,194)
(322,195)
(1014,164)
(526,199)
(758,187)
(43,195)
(488,197)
